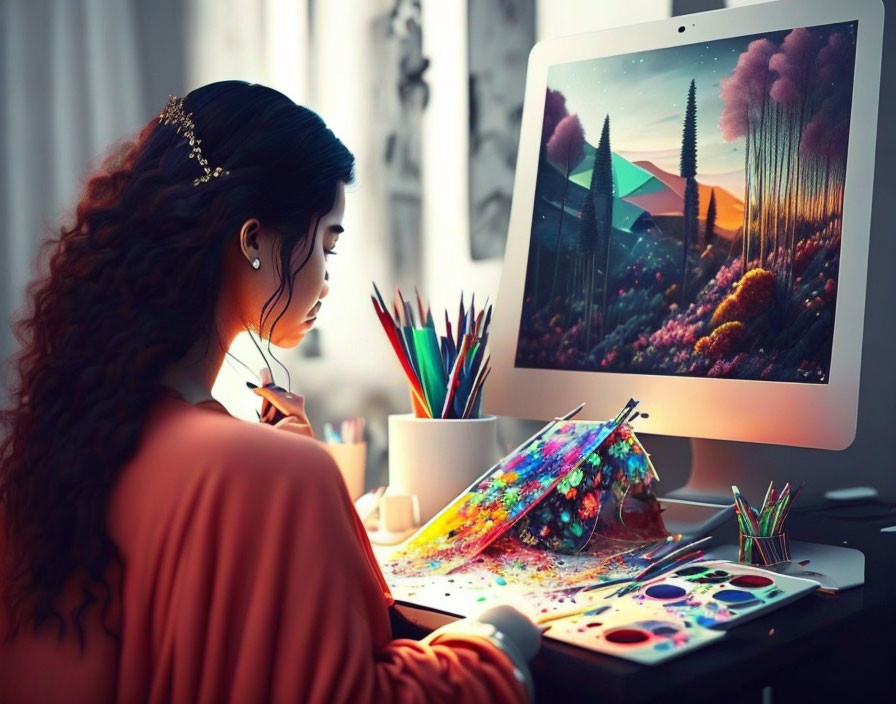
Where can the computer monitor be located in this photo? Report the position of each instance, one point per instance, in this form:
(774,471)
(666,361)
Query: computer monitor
(690,226)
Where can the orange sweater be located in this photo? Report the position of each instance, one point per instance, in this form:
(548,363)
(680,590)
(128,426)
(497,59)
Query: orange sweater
(248,577)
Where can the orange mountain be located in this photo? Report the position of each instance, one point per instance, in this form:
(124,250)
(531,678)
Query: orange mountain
(729,210)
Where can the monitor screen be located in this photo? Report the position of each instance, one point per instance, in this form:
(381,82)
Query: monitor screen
(687,214)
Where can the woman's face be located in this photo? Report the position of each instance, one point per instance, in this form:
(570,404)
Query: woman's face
(309,283)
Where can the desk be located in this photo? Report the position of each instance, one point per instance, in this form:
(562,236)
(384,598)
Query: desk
(820,648)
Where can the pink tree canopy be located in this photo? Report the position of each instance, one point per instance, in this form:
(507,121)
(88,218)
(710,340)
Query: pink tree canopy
(792,65)
(745,88)
(565,148)
(554,111)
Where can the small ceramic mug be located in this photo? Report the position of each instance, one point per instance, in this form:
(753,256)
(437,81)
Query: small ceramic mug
(399,512)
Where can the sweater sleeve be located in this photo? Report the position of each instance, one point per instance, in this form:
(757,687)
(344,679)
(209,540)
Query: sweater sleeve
(269,593)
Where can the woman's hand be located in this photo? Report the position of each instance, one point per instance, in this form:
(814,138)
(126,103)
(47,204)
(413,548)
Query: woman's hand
(281,408)
(295,425)
(509,629)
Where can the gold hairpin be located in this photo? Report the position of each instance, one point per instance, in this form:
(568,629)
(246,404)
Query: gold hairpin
(174,113)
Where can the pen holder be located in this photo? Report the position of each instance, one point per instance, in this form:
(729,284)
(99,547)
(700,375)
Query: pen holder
(352,459)
(763,550)
(438,458)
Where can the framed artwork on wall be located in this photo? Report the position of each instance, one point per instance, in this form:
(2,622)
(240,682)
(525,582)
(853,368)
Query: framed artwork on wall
(500,36)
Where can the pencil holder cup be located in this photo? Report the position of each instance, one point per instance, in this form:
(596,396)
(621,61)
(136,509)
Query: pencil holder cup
(438,458)
(351,457)
(763,550)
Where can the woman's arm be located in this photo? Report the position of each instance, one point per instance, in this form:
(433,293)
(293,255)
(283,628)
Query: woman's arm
(273,598)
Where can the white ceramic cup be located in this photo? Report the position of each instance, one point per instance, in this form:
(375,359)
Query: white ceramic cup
(352,459)
(437,459)
(398,512)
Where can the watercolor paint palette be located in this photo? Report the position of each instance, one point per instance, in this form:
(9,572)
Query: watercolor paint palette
(645,634)
(675,613)
(719,594)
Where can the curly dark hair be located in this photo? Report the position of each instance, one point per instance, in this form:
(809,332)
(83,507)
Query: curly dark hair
(131,287)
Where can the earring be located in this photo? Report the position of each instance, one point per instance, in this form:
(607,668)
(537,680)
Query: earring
(256,263)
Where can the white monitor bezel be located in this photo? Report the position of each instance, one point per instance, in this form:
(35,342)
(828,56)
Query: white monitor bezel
(786,413)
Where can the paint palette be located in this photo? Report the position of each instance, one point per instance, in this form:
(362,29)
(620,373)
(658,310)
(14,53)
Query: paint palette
(719,593)
(644,634)
(675,613)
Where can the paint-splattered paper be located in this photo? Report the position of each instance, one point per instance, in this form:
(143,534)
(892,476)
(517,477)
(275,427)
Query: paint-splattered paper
(534,580)
(610,495)
(499,498)
(569,482)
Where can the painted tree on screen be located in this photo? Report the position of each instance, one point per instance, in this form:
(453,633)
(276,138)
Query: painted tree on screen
(709,232)
(565,150)
(595,224)
(691,194)
(601,193)
(554,113)
(791,104)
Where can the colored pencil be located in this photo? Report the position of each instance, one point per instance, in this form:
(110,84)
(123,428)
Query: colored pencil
(446,373)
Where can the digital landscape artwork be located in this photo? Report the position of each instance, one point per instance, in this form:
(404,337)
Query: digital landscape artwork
(688,209)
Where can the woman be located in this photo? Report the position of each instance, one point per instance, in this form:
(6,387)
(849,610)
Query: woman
(198,557)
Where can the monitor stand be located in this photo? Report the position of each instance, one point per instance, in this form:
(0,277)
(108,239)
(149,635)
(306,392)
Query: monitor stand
(704,507)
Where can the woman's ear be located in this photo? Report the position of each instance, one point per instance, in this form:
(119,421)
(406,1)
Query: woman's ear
(249,238)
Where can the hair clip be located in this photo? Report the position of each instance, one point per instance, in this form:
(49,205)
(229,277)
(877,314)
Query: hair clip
(174,114)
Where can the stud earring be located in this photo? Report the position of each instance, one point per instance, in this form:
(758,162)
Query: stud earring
(256,263)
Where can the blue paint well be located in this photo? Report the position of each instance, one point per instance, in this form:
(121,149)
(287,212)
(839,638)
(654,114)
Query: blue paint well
(665,591)
(734,596)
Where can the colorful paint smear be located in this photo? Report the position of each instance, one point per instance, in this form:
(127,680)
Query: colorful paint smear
(535,581)
(501,497)
(610,494)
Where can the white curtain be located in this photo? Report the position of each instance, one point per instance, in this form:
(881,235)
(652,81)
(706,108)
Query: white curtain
(78,75)
(72,85)
(260,41)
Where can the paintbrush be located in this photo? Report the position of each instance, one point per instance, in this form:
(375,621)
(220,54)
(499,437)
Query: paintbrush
(653,572)
(575,611)
(668,561)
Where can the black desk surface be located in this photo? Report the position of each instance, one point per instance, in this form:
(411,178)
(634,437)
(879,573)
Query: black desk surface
(820,648)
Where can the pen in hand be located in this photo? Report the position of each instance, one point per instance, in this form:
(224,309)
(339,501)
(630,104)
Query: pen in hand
(281,408)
